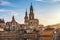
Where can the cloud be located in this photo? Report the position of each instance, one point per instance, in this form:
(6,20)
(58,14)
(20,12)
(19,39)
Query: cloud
(1,10)
(5,10)
(4,3)
(7,15)
(48,16)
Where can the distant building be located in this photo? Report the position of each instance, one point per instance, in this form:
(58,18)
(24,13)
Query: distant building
(12,25)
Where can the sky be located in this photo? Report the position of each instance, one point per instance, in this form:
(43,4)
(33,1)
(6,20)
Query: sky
(47,11)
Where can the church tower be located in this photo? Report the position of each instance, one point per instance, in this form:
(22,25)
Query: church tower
(13,19)
(26,18)
(31,14)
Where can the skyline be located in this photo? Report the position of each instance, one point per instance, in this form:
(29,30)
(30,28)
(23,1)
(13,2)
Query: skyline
(48,12)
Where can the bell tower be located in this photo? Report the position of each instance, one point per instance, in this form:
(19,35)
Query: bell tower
(26,18)
(31,14)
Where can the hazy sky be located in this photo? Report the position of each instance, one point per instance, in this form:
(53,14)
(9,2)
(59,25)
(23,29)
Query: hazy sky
(47,11)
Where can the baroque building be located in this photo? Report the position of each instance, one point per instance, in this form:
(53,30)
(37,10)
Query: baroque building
(30,22)
(12,30)
(30,30)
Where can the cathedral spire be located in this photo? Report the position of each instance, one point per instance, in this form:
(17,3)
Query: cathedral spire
(31,8)
(26,17)
(31,14)
(13,18)
(26,13)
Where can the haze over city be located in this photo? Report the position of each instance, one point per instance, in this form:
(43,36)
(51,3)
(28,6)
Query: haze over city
(47,11)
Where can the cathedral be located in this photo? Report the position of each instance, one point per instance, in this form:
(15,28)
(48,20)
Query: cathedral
(30,23)
(30,30)
(12,30)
